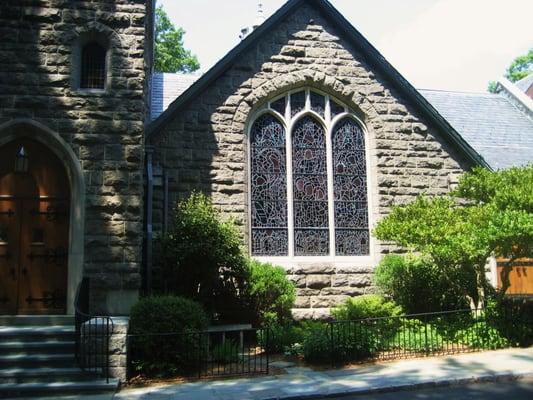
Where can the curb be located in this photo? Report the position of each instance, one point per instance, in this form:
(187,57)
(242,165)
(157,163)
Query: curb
(406,387)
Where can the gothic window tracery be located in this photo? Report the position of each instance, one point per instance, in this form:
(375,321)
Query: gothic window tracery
(308,179)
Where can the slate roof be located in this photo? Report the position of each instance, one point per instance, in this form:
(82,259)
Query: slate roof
(493,126)
(167,87)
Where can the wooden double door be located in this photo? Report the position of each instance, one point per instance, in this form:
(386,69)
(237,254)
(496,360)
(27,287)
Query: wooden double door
(34,229)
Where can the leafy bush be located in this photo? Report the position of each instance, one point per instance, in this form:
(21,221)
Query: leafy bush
(280,337)
(418,285)
(325,343)
(366,306)
(226,353)
(415,335)
(514,317)
(481,335)
(201,257)
(269,293)
(160,327)
(294,350)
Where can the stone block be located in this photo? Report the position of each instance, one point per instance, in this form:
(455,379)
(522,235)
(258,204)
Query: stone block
(318,281)
(327,301)
(293,51)
(360,280)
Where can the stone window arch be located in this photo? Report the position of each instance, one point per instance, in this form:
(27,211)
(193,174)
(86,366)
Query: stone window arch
(92,60)
(308,179)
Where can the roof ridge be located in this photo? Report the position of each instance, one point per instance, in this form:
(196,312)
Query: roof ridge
(459,91)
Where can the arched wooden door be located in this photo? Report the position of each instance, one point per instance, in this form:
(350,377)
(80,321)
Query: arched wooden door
(34,229)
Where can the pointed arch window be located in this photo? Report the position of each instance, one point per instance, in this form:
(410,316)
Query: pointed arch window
(308,179)
(310,188)
(269,187)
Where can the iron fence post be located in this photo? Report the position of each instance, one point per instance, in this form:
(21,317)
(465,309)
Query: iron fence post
(332,344)
(107,350)
(267,349)
(426,335)
(199,355)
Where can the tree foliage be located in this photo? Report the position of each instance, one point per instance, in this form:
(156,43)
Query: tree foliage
(270,294)
(419,286)
(170,54)
(201,257)
(521,67)
(489,213)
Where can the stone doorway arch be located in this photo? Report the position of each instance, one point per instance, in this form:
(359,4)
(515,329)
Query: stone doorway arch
(34,132)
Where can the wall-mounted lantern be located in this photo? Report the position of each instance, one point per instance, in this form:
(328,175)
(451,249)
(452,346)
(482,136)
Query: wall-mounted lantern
(21,161)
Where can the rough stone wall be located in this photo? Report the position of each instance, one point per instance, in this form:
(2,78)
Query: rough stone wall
(105,129)
(204,147)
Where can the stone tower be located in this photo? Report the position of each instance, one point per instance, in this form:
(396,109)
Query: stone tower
(73,78)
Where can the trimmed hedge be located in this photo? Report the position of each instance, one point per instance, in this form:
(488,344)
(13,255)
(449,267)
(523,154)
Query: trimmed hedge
(162,342)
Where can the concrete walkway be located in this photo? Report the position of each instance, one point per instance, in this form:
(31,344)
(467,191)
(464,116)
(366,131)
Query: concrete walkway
(303,383)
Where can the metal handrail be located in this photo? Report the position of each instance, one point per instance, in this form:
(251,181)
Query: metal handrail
(92,334)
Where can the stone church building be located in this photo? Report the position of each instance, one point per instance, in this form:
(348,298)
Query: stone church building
(303,133)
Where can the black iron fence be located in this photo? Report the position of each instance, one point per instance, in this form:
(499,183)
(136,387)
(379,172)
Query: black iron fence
(417,335)
(237,351)
(92,335)
(215,352)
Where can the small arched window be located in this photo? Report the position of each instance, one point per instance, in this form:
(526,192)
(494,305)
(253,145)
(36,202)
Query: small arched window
(93,66)
(311,199)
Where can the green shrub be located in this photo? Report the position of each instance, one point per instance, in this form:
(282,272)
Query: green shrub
(418,285)
(366,306)
(338,343)
(280,337)
(269,293)
(201,258)
(415,335)
(316,346)
(154,354)
(294,350)
(513,317)
(226,353)
(481,335)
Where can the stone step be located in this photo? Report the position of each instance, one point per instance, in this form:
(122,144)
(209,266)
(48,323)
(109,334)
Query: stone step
(36,332)
(37,360)
(57,388)
(32,320)
(43,375)
(37,347)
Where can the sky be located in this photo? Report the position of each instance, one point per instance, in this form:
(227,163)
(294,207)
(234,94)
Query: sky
(435,44)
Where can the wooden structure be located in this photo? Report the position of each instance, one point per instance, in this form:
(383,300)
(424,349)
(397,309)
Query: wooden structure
(521,276)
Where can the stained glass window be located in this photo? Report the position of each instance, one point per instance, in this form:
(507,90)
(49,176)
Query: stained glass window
(318,103)
(279,105)
(310,188)
(297,102)
(269,187)
(303,227)
(350,189)
(336,109)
